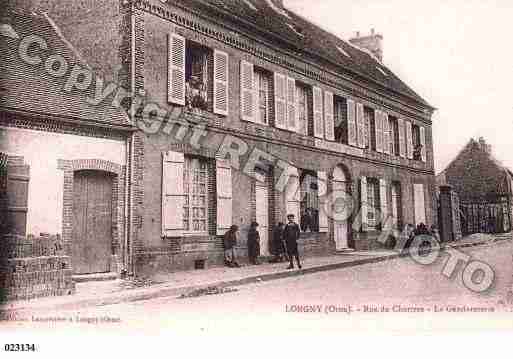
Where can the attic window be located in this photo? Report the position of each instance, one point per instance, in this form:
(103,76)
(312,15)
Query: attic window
(298,31)
(250,5)
(343,52)
(382,71)
(277,9)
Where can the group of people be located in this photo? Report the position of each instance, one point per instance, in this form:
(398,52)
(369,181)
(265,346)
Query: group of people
(283,244)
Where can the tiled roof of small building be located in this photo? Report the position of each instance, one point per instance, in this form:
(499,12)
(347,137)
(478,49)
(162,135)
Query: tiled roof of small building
(308,37)
(29,88)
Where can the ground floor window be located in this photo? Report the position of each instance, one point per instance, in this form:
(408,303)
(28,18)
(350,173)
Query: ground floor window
(373,203)
(309,205)
(396,204)
(195,210)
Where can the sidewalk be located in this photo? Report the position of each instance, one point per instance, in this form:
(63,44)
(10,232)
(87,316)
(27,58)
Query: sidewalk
(179,283)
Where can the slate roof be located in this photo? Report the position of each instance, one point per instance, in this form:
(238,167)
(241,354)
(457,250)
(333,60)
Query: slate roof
(30,88)
(307,37)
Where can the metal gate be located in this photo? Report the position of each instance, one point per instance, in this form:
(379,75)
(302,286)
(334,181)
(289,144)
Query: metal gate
(485,217)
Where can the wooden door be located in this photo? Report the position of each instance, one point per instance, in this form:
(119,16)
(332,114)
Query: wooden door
(92,225)
(262,217)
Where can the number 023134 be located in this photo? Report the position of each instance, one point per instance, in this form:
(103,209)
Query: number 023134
(20,347)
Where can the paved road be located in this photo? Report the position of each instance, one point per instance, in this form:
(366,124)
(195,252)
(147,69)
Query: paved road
(413,294)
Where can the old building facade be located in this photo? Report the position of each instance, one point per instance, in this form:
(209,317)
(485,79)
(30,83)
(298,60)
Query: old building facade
(286,114)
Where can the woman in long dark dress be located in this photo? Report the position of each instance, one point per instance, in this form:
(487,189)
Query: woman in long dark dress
(253,243)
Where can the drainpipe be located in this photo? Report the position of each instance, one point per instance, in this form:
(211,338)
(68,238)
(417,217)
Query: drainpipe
(132,137)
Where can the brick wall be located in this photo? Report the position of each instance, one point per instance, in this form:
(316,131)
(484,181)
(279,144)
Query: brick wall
(32,267)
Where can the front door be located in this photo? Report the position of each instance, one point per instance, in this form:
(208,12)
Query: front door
(262,217)
(92,225)
(340,226)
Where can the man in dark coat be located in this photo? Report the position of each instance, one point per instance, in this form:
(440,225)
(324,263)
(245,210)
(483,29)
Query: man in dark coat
(253,243)
(277,248)
(290,236)
(230,241)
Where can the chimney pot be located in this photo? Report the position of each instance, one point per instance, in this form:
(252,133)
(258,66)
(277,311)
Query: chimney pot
(371,43)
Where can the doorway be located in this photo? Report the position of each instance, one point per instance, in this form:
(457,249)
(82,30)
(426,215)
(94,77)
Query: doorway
(92,221)
(340,226)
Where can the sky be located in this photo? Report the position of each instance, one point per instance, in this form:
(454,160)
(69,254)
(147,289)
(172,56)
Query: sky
(456,54)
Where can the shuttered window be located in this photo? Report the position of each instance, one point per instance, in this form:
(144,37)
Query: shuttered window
(318,113)
(280,100)
(351,123)
(302,108)
(261,85)
(363,203)
(423,144)
(379,130)
(409,139)
(293,193)
(247,92)
(341,123)
(224,195)
(292,120)
(322,192)
(402,139)
(360,124)
(329,122)
(373,203)
(176,69)
(396,204)
(195,208)
(386,133)
(383,201)
(173,195)
(221,82)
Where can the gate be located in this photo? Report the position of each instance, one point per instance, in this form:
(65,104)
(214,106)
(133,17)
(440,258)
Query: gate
(485,217)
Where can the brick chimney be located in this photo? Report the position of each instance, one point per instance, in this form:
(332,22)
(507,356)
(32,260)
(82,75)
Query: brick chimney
(484,146)
(372,43)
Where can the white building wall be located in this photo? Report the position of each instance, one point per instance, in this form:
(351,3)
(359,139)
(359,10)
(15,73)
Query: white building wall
(42,150)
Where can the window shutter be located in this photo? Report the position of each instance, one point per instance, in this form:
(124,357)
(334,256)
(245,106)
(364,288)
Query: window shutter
(220,82)
(293,193)
(329,121)
(322,184)
(172,194)
(176,69)
(351,123)
(292,118)
(402,141)
(360,124)
(409,140)
(224,195)
(363,202)
(247,93)
(378,123)
(423,143)
(386,133)
(419,203)
(383,201)
(280,100)
(317,113)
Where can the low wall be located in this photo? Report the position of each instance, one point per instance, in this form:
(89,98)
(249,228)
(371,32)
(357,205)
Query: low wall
(33,267)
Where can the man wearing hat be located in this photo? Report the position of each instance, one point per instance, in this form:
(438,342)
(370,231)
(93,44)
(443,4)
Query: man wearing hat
(290,236)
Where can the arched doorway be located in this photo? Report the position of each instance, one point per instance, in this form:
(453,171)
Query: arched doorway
(341,227)
(92,221)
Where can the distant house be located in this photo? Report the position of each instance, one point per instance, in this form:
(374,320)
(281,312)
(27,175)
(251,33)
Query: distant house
(63,159)
(484,187)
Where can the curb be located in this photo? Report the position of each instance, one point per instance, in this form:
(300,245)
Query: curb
(175,292)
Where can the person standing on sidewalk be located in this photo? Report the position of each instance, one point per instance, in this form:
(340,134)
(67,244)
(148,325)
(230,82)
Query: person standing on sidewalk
(253,243)
(229,241)
(291,235)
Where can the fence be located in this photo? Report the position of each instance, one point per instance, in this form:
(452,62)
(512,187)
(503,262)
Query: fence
(485,217)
